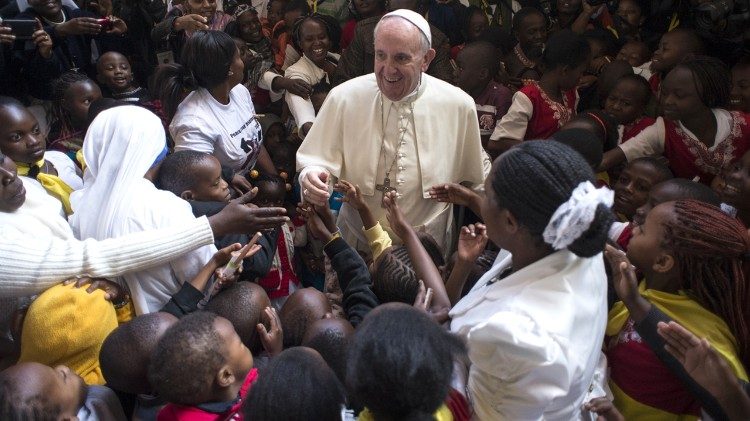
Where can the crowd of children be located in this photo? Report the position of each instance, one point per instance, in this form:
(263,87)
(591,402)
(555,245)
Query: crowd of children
(602,270)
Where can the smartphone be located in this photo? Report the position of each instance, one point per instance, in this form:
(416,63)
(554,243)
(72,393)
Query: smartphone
(106,23)
(23,29)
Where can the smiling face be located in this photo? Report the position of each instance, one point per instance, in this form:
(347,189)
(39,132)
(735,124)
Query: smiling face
(399,58)
(626,102)
(630,13)
(672,50)
(679,95)
(77,100)
(736,191)
(250,27)
(314,41)
(20,136)
(205,8)
(635,53)
(740,96)
(113,70)
(633,187)
(532,32)
(12,191)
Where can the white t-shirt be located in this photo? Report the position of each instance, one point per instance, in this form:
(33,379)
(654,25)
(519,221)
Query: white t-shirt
(230,132)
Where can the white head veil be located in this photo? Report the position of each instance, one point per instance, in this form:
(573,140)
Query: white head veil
(121,144)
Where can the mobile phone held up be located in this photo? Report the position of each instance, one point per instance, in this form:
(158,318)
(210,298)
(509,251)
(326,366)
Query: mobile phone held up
(23,29)
(106,23)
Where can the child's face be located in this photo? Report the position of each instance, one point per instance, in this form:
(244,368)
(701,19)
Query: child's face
(270,195)
(12,192)
(477,24)
(274,136)
(571,76)
(625,102)
(532,32)
(467,71)
(21,139)
(645,246)
(210,187)
(205,8)
(660,193)
(113,71)
(77,100)
(634,53)
(736,191)
(633,186)
(740,98)
(59,385)
(630,13)
(275,12)
(670,52)
(679,95)
(237,355)
(250,28)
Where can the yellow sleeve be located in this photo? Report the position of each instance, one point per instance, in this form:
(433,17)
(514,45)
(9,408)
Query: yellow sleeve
(378,239)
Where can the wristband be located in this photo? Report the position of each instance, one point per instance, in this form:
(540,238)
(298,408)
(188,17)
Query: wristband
(335,236)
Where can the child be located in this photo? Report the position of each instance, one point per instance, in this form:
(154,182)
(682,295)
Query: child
(248,34)
(475,22)
(281,280)
(113,72)
(736,189)
(388,370)
(740,97)
(244,305)
(274,14)
(202,368)
(24,142)
(604,128)
(627,103)
(674,47)
(477,64)
(539,109)
(32,391)
(296,386)
(692,257)
(301,309)
(635,53)
(331,338)
(696,137)
(633,186)
(72,94)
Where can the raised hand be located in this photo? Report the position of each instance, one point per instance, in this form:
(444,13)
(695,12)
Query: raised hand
(318,227)
(43,41)
(79,26)
(396,219)
(624,279)
(471,242)
(352,194)
(315,187)
(113,292)
(241,217)
(191,22)
(273,338)
(119,26)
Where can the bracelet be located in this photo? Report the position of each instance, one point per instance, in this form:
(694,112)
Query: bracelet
(335,236)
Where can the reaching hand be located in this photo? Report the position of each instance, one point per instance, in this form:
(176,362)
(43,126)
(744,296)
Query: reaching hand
(273,339)
(43,41)
(315,223)
(352,194)
(396,218)
(113,292)
(624,279)
(471,242)
(604,408)
(119,26)
(79,26)
(241,217)
(241,183)
(296,86)
(6,35)
(315,187)
(191,22)
(453,193)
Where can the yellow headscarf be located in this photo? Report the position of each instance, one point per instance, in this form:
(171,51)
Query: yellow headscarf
(52,183)
(66,325)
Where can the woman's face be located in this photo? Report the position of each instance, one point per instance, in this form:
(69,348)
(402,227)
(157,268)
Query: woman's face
(736,190)
(50,9)
(679,96)
(630,13)
(250,28)
(568,6)
(314,41)
(21,139)
(740,97)
(477,24)
(205,8)
(12,192)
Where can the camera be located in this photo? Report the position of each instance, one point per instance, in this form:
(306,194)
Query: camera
(709,14)
(23,29)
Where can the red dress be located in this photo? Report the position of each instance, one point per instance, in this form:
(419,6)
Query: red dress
(276,282)
(632,129)
(689,157)
(655,82)
(548,115)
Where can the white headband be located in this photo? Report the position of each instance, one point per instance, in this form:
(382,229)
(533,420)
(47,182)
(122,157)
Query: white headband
(574,217)
(415,19)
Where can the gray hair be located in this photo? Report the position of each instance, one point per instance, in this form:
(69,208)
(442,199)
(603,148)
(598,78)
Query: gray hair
(425,44)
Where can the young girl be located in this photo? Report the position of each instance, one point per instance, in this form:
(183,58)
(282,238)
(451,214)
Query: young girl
(692,257)
(735,190)
(695,135)
(22,140)
(539,109)
(72,94)
(217,115)
(627,102)
(282,280)
(740,99)
(315,35)
(542,207)
(674,47)
(259,54)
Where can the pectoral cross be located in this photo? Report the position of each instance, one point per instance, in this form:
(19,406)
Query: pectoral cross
(385,188)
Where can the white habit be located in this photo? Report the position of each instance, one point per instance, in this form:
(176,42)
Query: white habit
(439,135)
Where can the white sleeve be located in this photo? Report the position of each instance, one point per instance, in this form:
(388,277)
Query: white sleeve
(266,82)
(31,265)
(649,142)
(517,368)
(514,123)
(302,109)
(190,136)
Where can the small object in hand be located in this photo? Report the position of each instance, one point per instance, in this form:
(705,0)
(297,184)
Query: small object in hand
(254,174)
(106,23)
(283,175)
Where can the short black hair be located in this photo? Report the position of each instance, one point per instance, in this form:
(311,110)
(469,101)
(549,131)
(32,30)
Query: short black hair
(239,305)
(565,48)
(7,101)
(532,179)
(400,362)
(295,386)
(661,168)
(605,37)
(692,190)
(604,124)
(332,343)
(177,171)
(331,25)
(522,13)
(691,39)
(126,352)
(16,405)
(187,359)
(641,82)
(487,56)
(296,317)
(584,142)
(713,80)
(265,184)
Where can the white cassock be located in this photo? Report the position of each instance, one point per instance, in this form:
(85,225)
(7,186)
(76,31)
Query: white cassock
(432,134)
